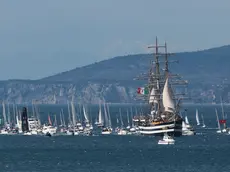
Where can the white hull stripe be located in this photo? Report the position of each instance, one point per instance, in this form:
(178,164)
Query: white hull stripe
(160,131)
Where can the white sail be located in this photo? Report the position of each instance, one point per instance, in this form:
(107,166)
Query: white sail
(73,113)
(85,115)
(17,121)
(186,120)
(128,117)
(117,121)
(69,114)
(152,98)
(222,108)
(100,118)
(203,120)
(218,121)
(106,116)
(4,113)
(197,117)
(183,125)
(60,115)
(168,102)
(109,117)
(122,124)
(19,124)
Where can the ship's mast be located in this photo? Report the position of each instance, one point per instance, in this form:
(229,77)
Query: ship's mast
(156,80)
(166,62)
(156,77)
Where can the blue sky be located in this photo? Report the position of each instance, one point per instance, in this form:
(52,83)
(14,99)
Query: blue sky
(41,38)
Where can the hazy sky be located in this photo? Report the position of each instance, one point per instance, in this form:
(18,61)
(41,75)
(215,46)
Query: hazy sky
(39,38)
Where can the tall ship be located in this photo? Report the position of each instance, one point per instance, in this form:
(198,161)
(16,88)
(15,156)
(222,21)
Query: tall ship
(164,93)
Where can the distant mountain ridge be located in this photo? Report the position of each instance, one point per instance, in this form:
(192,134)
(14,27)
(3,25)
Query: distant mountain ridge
(201,64)
(112,79)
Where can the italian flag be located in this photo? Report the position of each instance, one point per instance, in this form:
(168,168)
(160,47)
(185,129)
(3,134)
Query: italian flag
(143,90)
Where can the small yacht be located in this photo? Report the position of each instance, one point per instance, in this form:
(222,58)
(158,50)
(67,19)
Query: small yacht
(76,132)
(34,132)
(91,127)
(122,132)
(218,122)
(87,125)
(80,128)
(49,130)
(166,140)
(27,133)
(132,129)
(218,131)
(4,131)
(187,129)
(106,131)
(224,130)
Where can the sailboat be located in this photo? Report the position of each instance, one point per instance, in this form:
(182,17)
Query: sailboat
(19,124)
(87,124)
(107,127)
(73,130)
(164,104)
(88,127)
(49,130)
(100,122)
(128,126)
(166,140)
(197,117)
(203,121)
(186,120)
(218,122)
(80,128)
(121,131)
(223,121)
(132,129)
(187,129)
(169,112)
(25,124)
(5,129)
(109,118)
(117,128)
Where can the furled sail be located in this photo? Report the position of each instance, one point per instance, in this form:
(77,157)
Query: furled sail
(168,102)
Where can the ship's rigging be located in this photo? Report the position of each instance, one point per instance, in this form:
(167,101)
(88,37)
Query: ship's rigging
(157,77)
(163,97)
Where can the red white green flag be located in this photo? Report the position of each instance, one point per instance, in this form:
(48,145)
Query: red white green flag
(143,90)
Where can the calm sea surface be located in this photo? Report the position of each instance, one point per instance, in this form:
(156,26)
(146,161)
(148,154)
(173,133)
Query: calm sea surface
(205,152)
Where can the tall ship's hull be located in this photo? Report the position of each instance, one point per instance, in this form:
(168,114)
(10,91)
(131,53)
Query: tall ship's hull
(159,128)
(172,128)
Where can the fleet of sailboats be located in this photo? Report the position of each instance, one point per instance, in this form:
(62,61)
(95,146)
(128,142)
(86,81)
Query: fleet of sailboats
(15,124)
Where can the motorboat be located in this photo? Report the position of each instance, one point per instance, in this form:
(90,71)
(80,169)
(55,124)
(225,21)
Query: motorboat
(166,140)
